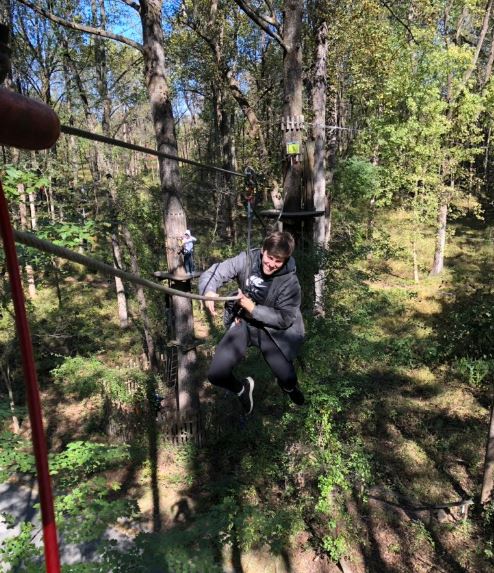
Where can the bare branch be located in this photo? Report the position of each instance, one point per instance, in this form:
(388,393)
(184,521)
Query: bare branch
(137,62)
(480,43)
(270,7)
(404,24)
(266,24)
(132,5)
(82,27)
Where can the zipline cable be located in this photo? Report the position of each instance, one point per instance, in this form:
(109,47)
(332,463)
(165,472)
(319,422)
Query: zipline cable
(52,559)
(69,130)
(31,240)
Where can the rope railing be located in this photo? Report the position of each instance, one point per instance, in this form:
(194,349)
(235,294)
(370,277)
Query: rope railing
(69,130)
(31,240)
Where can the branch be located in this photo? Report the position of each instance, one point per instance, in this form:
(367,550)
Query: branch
(82,27)
(483,32)
(263,23)
(132,5)
(404,24)
(270,7)
(488,67)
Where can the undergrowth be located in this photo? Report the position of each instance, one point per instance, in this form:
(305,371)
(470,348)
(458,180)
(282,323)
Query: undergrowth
(396,381)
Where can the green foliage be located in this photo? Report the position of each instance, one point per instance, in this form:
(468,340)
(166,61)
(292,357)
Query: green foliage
(15,455)
(69,235)
(183,551)
(84,504)
(421,533)
(465,328)
(335,545)
(250,526)
(6,412)
(356,180)
(19,551)
(474,372)
(488,523)
(419,128)
(12,176)
(84,377)
(86,512)
(80,460)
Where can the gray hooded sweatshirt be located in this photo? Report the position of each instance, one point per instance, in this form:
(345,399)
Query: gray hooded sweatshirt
(279,314)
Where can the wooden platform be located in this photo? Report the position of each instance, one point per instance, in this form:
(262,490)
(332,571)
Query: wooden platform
(275,214)
(162,275)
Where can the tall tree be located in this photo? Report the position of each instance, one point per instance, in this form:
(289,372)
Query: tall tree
(457,90)
(289,37)
(174,219)
(317,172)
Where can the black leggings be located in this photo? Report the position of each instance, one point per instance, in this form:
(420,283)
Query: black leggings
(233,347)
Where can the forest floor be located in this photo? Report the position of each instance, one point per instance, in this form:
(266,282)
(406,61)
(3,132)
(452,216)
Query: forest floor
(424,428)
(422,425)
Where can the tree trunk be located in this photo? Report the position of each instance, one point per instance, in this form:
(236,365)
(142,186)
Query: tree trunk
(293,108)
(54,260)
(50,203)
(488,480)
(320,200)
(227,147)
(32,210)
(123,313)
(141,299)
(480,42)
(442,217)
(105,164)
(16,427)
(31,284)
(173,212)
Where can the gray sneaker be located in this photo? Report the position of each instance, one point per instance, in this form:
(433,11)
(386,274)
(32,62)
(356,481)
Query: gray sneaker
(246,398)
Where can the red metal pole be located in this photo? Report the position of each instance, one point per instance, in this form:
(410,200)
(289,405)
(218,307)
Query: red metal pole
(52,559)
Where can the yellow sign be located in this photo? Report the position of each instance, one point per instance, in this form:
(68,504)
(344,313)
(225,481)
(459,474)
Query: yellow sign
(293,148)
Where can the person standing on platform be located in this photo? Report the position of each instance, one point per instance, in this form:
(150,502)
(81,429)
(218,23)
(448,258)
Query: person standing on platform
(187,251)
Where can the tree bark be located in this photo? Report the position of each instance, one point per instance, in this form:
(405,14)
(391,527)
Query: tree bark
(227,150)
(16,427)
(141,299)
(480,42)
(173,211)
(488,480)
(102,84)
(293,107)
(320,200)
(442,218)
(31,284)
(32,210)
